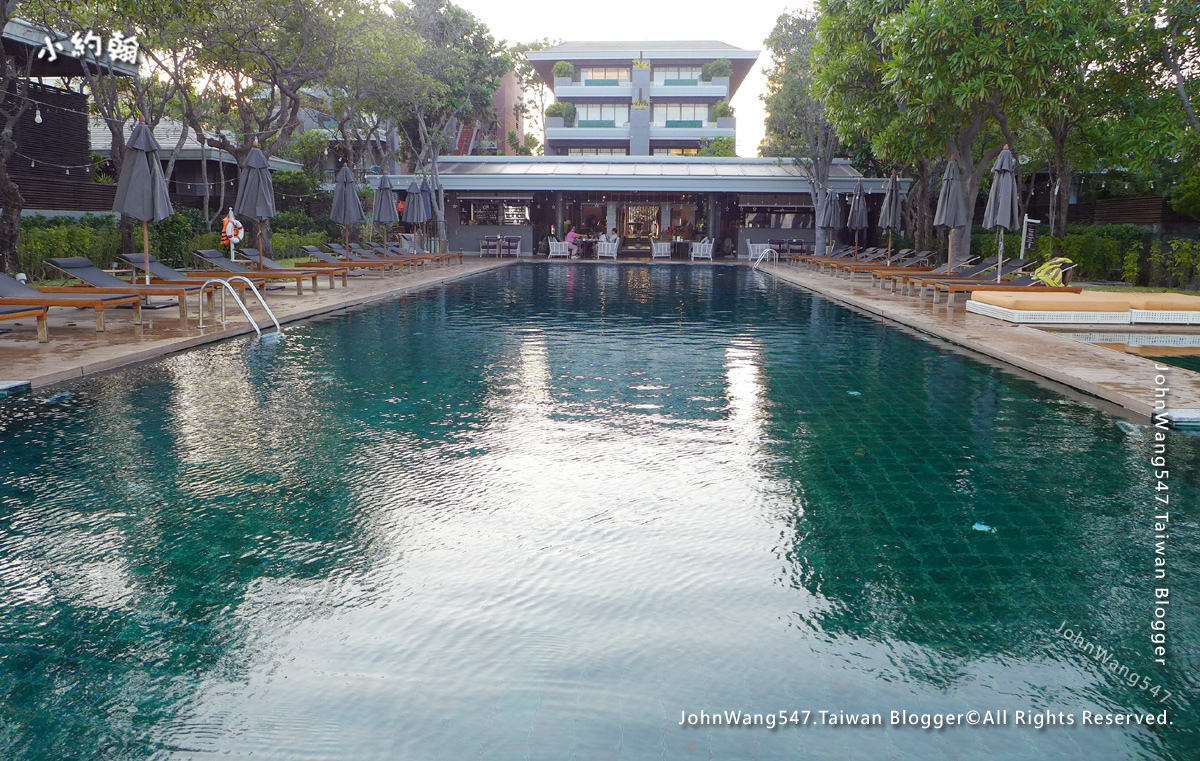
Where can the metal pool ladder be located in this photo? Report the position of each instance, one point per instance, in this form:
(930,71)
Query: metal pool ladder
(767,252)
(227,287)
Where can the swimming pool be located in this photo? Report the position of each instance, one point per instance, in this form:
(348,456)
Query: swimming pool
(548,511)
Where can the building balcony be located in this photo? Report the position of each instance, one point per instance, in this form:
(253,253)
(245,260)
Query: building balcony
(691,130)
(592,89)
(690,89)
(586,130)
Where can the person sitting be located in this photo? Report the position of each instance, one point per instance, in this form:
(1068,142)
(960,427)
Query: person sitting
(612,237)
(572,246)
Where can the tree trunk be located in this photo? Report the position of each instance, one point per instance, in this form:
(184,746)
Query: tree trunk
(10,218)
(1060,179)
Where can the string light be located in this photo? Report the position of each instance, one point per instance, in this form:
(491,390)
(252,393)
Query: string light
(37,116)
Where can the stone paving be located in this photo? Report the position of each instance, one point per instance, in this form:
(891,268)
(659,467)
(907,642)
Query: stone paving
(1120,378)
(76,349)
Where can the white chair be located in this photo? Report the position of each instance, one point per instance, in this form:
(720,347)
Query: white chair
(604,249)
(660,249)
(489,245)
(559,248)
(702,250)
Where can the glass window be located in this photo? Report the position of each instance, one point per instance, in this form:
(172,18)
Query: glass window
(493,212)
(788,218)
(602,114)
(611,74)
(597,151)
(676,151)
(676,75)
(680,114)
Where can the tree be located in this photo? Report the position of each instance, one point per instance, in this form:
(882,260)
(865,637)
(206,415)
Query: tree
(529,146)
(534,91)
(796,120)
(717,146)
(463,64)
(248,63)
(14,101)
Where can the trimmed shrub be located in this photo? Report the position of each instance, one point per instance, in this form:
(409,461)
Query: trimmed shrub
(721,109)
(564,70)
(1100,251)
(562,108)
(101,244)
(721,67)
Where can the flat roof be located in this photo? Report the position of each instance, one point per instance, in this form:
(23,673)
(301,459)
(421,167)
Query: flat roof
(636,174)
(168,132)
(626,51)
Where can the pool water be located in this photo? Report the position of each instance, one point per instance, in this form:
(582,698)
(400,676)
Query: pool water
(545,511)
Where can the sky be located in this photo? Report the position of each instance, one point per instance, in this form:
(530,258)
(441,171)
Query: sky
(742,23)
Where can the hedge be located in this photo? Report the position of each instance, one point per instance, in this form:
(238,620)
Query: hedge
(38,243)
(1100,251)
(285,245)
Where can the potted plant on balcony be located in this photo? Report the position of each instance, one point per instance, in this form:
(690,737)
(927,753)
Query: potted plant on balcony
(722,114)
(718,72)
(560,114)
(564,74)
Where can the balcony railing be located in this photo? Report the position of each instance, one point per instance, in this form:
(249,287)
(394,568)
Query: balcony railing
(601,82)
(683,123)
(679,82)
(597,123)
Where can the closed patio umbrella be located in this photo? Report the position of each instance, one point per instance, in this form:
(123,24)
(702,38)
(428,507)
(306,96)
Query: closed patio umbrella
(141,188)
(856,220)
(427,201)
(415,212)
(951,207)
(256,194)
(1001,210)
(889,215)
(383,211)
(347,210)
(829,216)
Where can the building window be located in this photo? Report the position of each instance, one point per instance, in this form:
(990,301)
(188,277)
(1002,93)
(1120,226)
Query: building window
(602,114)
(786,218)
(604,75)
(493,212)
(676,151)
(597,151)
(680,114)
(676,75)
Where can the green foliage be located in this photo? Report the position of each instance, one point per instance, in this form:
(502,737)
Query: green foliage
(721,109)
(296,221)
(287,244)
(718,146)
(1101,252)
(1131,269)
(291,185)
(529,146)
(641,104)
(170,239)
(722,67)
(640,63)
(308,149)
(564,70)
(1181,262)
(562,108)
(1185,196)
(65,236)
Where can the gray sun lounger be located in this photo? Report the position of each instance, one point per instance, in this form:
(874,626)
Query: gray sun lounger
(21,312)
(270,264)
(100,281)
(166,274)
(328,260)
(15,293)
(220,261)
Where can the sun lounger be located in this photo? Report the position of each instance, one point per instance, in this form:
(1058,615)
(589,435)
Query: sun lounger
(324,260)
(877,259)
(99,281)
(1057,308)
(382,254)
(15,293)
(1025,284)
(220,261)
(164,275)
(975,276)
(21,312)
(908,280)
(396,249)
(270,264)
(896,275)
(906,260)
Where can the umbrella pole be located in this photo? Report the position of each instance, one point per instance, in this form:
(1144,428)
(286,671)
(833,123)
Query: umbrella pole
(950,249)
(260,254)
(347,240)
(889,247)
(1000,264)
(146,245)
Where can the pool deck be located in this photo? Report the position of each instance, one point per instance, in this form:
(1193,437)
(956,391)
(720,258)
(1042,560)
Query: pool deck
(76,349)
(1122,379)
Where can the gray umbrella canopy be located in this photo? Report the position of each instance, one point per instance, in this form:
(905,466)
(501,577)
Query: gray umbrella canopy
(384,210)
(889,215)
(414,207)
(256,194)
(141,188)
(1001,211)
(951,207)
(857,218)
(347,209)
(427,199)
(829,216)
